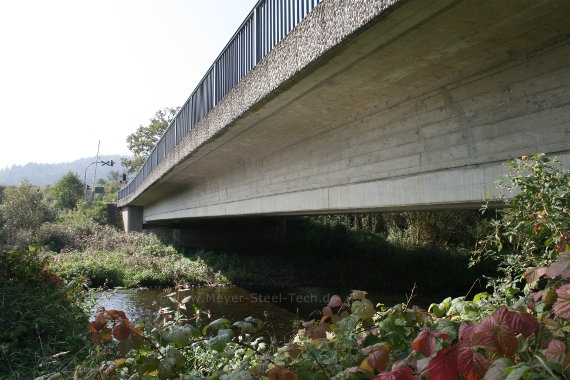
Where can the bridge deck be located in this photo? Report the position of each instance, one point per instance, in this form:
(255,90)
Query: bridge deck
(362,109)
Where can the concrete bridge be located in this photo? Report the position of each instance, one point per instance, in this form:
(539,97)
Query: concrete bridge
(360,105)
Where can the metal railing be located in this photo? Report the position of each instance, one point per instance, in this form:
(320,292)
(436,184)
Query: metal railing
(265,26)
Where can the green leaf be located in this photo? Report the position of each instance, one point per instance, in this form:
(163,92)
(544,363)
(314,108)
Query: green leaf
(437,311)
(356,295)
(180,336)
(245,326)
(125,345)
(175,357)
(148,366)
(240,374)
(165,370)
(192,331)
(216,325)
(480,296)
(363,308)
(517,373)
(220,341)
(255,321)
(497,369)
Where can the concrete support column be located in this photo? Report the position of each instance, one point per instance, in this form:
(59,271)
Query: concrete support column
(132,218)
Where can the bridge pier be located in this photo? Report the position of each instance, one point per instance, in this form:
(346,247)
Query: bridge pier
(132,218)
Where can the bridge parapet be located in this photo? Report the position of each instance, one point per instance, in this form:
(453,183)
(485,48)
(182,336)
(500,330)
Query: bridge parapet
(265,26)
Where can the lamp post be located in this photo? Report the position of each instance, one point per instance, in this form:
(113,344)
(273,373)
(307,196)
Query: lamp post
(110,163)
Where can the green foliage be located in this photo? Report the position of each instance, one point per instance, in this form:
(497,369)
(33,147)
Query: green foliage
(142,268)
(454,339)
(22,211)
(185,340)
(68,190)
(109,257)
(42,319)
(443,228)
(327,243)
(95,210)
(142,142)
(535,224)
(111,185)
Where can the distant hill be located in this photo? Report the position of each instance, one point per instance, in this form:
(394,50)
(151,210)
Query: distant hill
(49,174)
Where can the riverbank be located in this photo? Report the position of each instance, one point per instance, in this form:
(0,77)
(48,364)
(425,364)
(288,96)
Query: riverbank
(313,255)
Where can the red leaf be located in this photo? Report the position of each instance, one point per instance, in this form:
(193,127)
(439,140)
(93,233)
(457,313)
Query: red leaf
(121,331)
(335,301)
(280,373)
(562,305)
(524,323)
(495,333)
(116,314)
(534,274)
(327,312)
(402,372)
(318,332)
(561,267)
(380,359)
(94,327)
(101,315)
(426,340)
(96,339)
(444,365)
(472,365)
(465,333)
(556,352)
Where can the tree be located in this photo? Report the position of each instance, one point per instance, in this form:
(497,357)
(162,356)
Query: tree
(68,190)
(112,184)
(23,209)
(142,142)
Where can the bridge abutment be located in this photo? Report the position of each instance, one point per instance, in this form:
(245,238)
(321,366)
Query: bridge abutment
(132,218)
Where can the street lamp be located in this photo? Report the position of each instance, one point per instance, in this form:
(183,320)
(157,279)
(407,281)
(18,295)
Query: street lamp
(109,163)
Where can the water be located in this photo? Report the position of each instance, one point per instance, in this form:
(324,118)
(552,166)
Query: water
(281,309)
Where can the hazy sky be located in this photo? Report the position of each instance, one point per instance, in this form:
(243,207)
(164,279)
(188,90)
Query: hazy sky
(73,72)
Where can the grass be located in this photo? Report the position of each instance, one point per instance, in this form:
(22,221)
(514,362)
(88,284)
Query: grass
(120,269)
(319,254)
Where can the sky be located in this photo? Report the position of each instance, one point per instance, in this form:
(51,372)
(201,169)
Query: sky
(78,74)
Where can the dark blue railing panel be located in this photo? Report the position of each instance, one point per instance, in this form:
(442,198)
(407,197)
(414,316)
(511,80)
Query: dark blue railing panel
(265,26)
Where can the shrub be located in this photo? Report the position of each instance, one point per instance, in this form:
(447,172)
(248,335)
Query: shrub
(535,224)
(42,318)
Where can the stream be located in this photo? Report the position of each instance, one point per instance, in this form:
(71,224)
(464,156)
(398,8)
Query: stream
(279,308)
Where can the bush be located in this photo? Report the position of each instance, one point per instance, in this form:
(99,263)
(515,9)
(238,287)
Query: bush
(121,269)
(42,318)
(535,224)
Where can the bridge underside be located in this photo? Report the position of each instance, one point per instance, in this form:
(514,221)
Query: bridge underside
(416,110)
